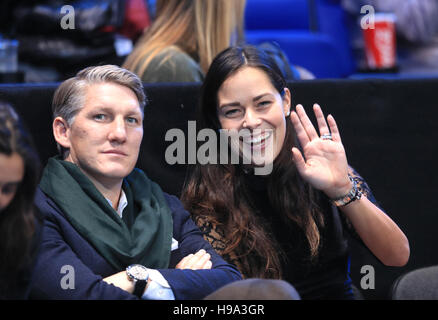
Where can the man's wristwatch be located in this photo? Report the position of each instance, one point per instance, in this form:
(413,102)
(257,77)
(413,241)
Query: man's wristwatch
(139,275)
(353,195)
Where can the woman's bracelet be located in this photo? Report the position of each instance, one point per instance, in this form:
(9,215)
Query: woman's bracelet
(353,195)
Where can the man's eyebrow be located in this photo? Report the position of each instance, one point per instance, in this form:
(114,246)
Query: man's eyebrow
(101,108)
(110,110)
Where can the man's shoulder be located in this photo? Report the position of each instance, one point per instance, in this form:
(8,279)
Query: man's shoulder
(41,200)
(179,214)
(46,206)
(174,203)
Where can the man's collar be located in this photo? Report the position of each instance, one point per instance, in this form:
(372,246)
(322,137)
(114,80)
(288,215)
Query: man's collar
(123,202)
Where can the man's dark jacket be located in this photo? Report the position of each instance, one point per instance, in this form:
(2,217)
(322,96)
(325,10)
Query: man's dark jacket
(65,255)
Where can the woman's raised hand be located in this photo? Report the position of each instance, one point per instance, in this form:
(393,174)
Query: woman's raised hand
(323,163)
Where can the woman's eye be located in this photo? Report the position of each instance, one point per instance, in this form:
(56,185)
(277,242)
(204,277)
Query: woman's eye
(264,103)
(232,112)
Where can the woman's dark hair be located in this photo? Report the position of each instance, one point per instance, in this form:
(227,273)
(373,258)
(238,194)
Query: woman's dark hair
(17,224)
(229,207)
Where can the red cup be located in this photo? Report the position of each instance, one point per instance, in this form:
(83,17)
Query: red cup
(380,42)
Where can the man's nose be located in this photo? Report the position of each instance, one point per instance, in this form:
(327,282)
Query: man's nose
(118,130)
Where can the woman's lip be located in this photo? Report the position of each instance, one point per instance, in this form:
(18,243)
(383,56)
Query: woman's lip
(255,140)
(260,145)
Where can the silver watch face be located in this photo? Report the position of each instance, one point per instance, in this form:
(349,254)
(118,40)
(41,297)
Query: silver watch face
(137,272)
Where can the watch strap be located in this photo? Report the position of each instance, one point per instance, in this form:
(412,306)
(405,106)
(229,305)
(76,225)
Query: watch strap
(353,195)
(139,287)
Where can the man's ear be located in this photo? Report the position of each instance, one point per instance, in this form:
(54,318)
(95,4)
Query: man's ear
(287,99)
(61,132)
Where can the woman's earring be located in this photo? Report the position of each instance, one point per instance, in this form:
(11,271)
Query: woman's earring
(288,113)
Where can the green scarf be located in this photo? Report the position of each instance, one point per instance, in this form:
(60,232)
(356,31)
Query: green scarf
(147,241)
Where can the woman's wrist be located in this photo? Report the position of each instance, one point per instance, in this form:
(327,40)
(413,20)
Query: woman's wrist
(349,196)
(341,190)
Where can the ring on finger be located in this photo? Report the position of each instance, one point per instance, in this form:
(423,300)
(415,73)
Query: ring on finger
(327,136)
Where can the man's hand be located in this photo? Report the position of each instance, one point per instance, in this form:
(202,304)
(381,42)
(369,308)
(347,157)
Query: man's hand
(197,261)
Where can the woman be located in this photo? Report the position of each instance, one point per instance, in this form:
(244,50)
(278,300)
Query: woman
(19,174)
(285,224)
(185,37)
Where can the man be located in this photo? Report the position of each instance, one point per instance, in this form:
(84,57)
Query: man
(110,232)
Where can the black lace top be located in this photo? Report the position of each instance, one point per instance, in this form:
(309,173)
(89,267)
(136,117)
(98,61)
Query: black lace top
(327,277)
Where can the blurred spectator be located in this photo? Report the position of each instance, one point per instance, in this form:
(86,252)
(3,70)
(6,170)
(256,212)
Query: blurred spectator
(137,18)
(184,38)
(416,26)
(58,38)
(19,229)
